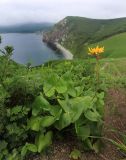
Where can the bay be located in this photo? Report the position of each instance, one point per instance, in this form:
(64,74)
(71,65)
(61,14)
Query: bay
(29,47)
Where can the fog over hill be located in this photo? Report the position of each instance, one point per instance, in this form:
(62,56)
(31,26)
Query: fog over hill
(26,28)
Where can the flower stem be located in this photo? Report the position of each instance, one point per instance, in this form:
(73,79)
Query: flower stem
(97,73)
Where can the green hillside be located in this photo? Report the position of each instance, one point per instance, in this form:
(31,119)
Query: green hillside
(74,33)
(115,46)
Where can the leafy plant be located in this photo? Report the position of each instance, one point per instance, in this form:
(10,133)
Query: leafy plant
(75,154)
(36,102)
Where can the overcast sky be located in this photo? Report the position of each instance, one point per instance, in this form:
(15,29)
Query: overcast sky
(23,11)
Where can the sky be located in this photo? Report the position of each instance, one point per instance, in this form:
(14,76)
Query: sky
(25,11)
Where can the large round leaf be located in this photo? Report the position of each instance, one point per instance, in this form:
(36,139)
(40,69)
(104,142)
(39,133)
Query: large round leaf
(76,106)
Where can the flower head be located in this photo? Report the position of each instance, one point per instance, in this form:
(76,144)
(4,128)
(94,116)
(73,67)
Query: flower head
(96,51)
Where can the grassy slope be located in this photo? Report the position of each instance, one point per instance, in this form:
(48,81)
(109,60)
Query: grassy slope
(115,66)
(115,46)
(76,32)
(112,68)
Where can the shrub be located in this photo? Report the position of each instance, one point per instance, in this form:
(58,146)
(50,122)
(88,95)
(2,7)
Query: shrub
(38,103)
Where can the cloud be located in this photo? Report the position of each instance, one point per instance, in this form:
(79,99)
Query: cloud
(22,11)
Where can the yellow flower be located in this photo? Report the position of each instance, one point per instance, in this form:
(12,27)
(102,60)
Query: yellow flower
(96,51)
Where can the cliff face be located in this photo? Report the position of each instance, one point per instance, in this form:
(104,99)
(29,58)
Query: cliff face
(58,34)
(75,33)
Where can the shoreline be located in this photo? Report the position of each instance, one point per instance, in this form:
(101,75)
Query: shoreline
(67,54)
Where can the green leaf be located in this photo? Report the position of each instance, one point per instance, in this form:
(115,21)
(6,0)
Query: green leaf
(24,151)
(35,123)
(3,145)
(72,92)
(83,131)
(79,90)
(100,108)
(5,152)
(49,85)
(49,90)
(28,147)
(92,115)
(61,86)
(55,111)
(31,147)
(14,128)
(16,110)
(101,95)
(76,106)
(44,141)
(39,105)
(63,122)
(54,83)
(75,154)
(47,121)
(66,77)
(1,156)
(100,103)
(88,144)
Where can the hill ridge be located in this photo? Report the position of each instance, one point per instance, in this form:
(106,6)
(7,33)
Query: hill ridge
(76,32)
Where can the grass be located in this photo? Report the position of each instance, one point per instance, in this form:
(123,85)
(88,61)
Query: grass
(115,46)
(113,72)
(114,66)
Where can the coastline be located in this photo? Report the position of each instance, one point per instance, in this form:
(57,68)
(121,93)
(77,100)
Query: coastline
(67,54)
(55,45)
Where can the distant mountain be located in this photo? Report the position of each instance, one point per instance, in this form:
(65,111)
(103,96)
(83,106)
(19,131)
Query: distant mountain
(26,28)
(76,33)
